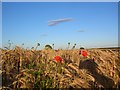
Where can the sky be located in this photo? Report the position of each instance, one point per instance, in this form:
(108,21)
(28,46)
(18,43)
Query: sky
(0,24)
(28,23)
(60,0)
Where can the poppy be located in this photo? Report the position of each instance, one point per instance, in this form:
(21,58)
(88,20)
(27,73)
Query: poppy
(84,53)
(58,59)
(56,50)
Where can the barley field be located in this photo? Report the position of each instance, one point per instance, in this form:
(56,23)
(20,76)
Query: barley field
(22,68)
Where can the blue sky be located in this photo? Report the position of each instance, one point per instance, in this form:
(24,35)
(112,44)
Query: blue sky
(28,23)
(0,24)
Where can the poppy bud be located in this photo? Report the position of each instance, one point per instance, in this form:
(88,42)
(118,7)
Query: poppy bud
(56,50)
(79,52)
(94,59)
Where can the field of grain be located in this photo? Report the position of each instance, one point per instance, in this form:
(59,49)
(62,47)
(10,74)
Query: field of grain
(22,68)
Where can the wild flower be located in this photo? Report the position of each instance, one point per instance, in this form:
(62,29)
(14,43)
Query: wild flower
(38,44)
(83,52)
(58,59)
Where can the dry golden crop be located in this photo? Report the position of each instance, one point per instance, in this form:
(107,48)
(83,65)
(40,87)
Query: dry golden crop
(23,68)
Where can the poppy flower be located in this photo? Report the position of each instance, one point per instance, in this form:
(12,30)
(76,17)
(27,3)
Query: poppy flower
(58,59)
(84,53)
(56,50)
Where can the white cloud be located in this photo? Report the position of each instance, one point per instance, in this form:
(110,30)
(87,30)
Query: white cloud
(54,22)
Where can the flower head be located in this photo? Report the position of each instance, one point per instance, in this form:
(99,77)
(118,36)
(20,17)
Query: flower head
(84,53)
(58,59)
(38,44)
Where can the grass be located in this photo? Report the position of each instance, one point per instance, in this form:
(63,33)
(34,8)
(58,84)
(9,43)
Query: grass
(22,68)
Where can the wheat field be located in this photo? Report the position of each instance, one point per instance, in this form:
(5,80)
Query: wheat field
(22,68)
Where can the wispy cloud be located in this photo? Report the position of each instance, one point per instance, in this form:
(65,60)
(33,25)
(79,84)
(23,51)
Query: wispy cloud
(54,22)
(80,31)
(43,35)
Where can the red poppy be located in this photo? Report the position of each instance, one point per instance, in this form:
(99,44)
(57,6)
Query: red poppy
(58,59)
(56,50)
(84,53)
